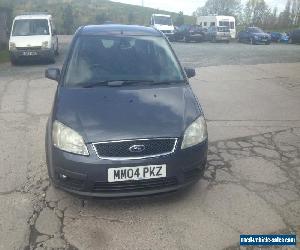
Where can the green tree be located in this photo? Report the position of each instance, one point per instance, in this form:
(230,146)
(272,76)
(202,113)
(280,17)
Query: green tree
(68,20)
(131,18)
(256,13)
(220,7)
(179,20)
(101,18)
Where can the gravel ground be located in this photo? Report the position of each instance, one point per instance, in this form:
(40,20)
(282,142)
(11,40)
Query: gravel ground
(213,54)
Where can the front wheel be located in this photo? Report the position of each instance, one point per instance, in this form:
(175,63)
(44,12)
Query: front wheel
(14,61)
(51,58)
(186,39)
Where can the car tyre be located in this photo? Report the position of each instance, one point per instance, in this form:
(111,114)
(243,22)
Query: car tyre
(57,51)
(52,57)
(186,39)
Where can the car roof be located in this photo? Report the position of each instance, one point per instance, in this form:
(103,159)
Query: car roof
(118,29)
(162,15)
(33,16)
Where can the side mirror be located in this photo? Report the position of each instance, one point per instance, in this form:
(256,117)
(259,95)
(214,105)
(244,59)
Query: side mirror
(52,74)
(190,72)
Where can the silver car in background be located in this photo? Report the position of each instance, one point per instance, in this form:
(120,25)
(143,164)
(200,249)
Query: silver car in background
(218,33)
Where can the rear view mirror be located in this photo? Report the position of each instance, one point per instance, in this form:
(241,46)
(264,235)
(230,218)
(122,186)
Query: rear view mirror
(52,74)
(190,72)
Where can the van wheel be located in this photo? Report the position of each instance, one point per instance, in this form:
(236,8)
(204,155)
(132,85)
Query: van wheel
(57,51)
(14,61)
(185,39)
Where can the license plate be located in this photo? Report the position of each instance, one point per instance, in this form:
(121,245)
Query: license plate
(29,53)
(137,173)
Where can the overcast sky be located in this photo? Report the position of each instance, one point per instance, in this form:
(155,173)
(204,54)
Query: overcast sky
(187,6)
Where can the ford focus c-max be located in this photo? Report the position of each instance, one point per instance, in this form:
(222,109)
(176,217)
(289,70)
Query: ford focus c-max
(125,121)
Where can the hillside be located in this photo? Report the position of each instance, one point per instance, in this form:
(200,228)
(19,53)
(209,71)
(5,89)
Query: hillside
(81,12)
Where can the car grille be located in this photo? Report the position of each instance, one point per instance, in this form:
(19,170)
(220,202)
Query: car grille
(29,48)
(129,186)
(121,149)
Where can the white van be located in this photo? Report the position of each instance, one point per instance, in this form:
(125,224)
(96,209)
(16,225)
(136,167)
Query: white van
(164,24)
(33,35)
(212,20)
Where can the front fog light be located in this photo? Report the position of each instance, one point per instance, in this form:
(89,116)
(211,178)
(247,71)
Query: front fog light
(195,133)
(67,139)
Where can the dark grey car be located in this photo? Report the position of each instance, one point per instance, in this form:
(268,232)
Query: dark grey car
(125,121)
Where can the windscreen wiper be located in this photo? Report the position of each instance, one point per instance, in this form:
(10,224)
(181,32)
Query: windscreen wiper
(115,83)
(169,82)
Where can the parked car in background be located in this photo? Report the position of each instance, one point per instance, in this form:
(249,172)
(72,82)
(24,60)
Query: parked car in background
(214,20)
(254,35)
(33,35)
(219,33)
(188,32)
(163,23)
(125,120)
(295,36)
(279,37)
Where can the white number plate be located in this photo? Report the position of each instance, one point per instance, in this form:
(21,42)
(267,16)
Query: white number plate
(29,53)
(137,173)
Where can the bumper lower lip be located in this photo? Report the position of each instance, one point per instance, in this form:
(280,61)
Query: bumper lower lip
(42,53)
(184,167)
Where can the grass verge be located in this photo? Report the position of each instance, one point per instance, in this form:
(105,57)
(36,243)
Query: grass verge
(4,56)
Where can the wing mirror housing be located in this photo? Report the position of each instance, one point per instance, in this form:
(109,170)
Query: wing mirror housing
(53,74)
(190,72)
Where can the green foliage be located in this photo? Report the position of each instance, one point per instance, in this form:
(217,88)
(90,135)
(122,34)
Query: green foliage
(220,7)
(4,56)
(68,20)
(179,20)
(69,15)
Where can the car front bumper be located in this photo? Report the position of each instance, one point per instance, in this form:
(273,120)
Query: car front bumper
(28,53)
(223,38)
(88,175)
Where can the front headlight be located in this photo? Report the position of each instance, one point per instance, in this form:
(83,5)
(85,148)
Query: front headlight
(195,133)
(45,45)
(12,46)
(67,139)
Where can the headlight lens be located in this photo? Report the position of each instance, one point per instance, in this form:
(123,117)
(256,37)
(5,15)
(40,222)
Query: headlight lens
(67,139)
(45,45)
(195,133)
(12,46)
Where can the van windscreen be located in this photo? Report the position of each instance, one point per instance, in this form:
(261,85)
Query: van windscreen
(30,27)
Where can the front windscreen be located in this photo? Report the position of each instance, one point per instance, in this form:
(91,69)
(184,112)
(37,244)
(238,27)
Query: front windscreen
(163,20)
(30,27)
(121,58)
